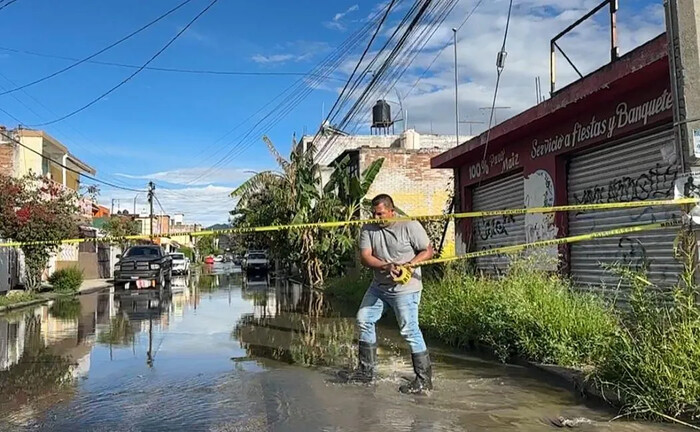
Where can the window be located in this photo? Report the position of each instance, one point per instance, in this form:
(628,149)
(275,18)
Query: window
(143,251)
(178,256)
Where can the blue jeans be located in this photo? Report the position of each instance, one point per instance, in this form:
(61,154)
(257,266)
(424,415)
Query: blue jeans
(405,308)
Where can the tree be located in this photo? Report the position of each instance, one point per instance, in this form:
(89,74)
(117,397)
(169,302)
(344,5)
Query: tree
(292,194)
(120,227)
(206,245)
(36,209)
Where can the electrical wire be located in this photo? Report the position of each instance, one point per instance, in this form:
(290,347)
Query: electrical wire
(163,69)
(499,69)
(301,89)
(159,204)
(39,116)
(91,56)
(359,62)
(69,168)
(7,4)
(127,79)
(443,49)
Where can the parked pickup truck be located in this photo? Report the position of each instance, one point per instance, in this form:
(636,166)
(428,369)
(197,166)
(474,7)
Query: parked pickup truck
(256,261)
(145,266)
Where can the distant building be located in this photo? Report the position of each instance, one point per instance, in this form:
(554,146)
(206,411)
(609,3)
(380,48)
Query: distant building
(179,231)
(41,154)
(406,175)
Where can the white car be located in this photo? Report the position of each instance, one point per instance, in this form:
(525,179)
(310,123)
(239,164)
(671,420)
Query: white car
(181,264)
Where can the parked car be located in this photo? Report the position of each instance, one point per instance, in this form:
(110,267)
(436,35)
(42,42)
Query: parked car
(144,265)
(209,260)
(256,262)
(218,258)
(181,264)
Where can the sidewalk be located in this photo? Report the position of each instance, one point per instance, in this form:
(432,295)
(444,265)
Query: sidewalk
(88,286)
(92,285)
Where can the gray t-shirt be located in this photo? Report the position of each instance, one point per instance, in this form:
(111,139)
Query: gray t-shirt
(397,243)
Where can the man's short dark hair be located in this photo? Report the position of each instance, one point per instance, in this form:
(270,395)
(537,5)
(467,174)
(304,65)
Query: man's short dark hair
(383,199)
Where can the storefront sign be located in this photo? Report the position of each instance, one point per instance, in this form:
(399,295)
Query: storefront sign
(608,122)
(625,116)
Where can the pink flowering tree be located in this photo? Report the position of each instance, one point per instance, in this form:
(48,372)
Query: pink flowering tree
(35,209)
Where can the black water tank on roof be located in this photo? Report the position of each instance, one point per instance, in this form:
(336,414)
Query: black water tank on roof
(381,114)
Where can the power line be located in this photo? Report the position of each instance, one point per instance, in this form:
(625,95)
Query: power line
(39,116)
(91,56)
(7,4)
(163,69)
(359,63)
(69,168)
(159,204)
(127,79)
(500,65)
(443,48)
(298,92)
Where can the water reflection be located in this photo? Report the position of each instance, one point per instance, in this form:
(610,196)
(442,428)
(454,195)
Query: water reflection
(286,325)
(222,351)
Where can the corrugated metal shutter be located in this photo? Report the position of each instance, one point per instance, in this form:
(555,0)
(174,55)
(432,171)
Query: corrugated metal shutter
(631,171)
(498,231)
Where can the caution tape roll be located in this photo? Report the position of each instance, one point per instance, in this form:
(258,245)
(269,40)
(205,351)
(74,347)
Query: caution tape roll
(339,224)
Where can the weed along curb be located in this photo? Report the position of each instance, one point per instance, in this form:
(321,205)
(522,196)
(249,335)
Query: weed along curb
(46,297)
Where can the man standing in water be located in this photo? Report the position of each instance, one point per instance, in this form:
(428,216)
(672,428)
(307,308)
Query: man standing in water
(383,248)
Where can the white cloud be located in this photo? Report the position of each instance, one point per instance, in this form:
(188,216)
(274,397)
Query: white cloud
(534,22)
(196,176)
(275,58)
(206,205)
(340,15)
(337,22)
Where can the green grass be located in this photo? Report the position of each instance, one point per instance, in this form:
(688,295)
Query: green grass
(17,298)
(648,354)
(654,362)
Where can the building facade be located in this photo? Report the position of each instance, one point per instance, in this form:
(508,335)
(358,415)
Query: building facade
(406,175)
(605,138)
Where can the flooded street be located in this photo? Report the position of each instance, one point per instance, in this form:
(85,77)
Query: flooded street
(224,353)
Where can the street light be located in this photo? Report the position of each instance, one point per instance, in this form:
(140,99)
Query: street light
(135,201)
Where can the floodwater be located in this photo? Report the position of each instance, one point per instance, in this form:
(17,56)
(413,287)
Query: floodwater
(222,352)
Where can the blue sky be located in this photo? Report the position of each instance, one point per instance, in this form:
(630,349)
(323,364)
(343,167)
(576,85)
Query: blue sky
(165,126)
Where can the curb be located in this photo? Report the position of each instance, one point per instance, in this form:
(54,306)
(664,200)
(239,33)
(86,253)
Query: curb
(46,297)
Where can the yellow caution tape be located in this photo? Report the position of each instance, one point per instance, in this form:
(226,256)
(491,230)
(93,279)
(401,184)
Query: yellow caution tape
(514,249)
(338,224)
(406,272)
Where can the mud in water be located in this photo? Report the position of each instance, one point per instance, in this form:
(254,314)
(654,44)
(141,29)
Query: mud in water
(222,352)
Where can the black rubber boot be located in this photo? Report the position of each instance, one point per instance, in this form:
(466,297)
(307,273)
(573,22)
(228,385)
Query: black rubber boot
(423,381)
(365,372)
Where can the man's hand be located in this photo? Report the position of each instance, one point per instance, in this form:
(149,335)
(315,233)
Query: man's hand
(392,268)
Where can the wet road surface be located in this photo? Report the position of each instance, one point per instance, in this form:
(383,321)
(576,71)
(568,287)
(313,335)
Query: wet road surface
(221,352)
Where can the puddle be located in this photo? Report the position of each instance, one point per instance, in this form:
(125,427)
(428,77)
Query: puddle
(221,352)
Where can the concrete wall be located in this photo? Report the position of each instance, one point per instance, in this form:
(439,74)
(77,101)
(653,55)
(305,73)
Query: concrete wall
(416,189)
(28,160)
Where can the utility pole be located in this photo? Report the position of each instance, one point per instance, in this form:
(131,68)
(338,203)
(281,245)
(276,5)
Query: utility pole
(151,189)
(682,21)
(454,32)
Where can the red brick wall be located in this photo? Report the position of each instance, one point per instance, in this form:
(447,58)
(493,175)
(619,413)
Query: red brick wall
(406,175)
(7,158)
